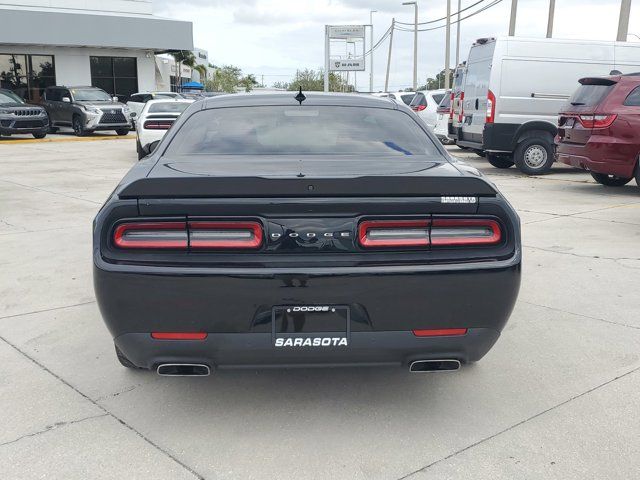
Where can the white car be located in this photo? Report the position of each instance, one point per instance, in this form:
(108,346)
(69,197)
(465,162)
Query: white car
(406,97)
(426,103)
(441,128)
(137,101)
(156,118)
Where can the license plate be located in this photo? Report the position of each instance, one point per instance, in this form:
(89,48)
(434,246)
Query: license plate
(310,326)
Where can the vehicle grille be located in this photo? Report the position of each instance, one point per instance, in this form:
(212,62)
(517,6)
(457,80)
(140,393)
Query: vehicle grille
(27,113)
(118,117)
(29,124)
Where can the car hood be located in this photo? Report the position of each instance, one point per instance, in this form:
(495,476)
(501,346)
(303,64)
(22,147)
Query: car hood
(19,105)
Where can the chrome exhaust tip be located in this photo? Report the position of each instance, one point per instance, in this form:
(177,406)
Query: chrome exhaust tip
(183,370)
(429,366)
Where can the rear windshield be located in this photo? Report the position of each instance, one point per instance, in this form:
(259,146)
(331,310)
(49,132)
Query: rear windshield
(589,95)
(406,98)
(168,107)
(419,99)
(306,130)
(445,102)
(437,97)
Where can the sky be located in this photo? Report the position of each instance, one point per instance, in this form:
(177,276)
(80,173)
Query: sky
(274,38)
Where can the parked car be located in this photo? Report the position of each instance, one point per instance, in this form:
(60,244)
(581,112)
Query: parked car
(441,128)
(16,116)
(406,97)
(457,97)
(599,129)
(245,239)
(137,100)
(156,118)
(426,103)
(515,87)
(85,109)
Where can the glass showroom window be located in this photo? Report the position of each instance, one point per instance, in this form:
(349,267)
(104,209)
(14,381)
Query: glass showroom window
(115,75)
(27,75)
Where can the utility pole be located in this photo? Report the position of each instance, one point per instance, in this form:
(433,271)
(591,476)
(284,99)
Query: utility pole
(415,44)
(447,48)
(371,12)
(552,10)
(458,34)
(386,78)
(512,20)
(326,58)
(623,22)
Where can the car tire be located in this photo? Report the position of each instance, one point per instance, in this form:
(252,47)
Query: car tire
(78,127)
(480,153)
(534,155)
(39,135)
(499,161)
(123,131)
(610,180)
(125,362)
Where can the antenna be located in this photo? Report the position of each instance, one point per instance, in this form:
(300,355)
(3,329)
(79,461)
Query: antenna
(300,96)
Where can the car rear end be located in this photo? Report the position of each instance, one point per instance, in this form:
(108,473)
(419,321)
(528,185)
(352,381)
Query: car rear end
(156,119)
(443,112)
(597,128)
(456,112)
(304,261)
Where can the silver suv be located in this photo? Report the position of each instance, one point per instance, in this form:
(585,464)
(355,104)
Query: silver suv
(85,109)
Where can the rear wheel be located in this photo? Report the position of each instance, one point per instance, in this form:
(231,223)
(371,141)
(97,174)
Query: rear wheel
(124,361)
(39,135)
(534,155)
(610,180)
(498,161)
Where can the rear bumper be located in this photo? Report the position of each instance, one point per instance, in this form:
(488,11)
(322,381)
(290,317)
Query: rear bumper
(234,307)
(256,350)
(600,155)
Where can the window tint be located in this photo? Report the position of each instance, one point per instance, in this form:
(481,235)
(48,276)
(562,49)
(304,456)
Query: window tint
(10,97)
(446,101)
(322,130)
(407,98)
(633,99)
(168,107)
(589,95)
(136,98)
(90,95)
(53,94)
(438,97)
(419,99)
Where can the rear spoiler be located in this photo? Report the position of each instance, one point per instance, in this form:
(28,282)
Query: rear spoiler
(597,81)
(261,187)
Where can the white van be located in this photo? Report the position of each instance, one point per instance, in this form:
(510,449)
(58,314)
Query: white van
(515,87)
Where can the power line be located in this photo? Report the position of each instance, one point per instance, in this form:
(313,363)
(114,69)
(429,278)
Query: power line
(486,7)
(444,18)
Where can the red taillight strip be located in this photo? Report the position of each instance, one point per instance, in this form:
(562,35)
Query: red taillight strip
(454,238)
(371,225)
(158,124)
(154,229)
(440,332)
(597,121)
(179,335)
(226,231)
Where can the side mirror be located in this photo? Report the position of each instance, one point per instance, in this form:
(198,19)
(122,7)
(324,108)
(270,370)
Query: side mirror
(66,99)
(115,99)
(153,146)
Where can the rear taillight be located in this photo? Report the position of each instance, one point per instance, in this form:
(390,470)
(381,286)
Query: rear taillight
(453,96)
(212,235)
(151,235)
(223,235)
(597,121)
(157,124)
(418,108)
(440,332)
(491,107)
(465,231)
(461,108)
(394,233)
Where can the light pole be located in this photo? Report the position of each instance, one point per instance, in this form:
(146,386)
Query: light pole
(386,78)
(512,18)
(552,10)
(447,48)
(623,22)
(371,12)
(458,34)
(415,44)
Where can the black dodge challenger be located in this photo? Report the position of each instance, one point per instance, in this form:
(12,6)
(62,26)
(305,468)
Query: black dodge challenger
(304,230)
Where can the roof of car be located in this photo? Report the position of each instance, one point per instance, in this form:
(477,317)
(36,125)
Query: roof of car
(288,98)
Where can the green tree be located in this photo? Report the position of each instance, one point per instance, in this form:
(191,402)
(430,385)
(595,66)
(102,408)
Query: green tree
(438,82)
(183,57)
(313,80)
(202,70)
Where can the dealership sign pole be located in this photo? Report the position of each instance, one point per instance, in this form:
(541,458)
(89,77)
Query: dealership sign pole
(353,33)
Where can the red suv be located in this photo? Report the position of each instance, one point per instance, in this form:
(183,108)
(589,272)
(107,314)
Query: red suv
(599,129)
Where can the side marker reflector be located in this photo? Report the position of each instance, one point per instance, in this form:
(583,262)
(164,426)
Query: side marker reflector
(179,335)
(440,332)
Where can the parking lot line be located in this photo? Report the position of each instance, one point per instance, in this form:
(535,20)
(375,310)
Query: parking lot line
(13,141)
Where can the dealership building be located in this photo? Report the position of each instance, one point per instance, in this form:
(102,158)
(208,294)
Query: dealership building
(111,45)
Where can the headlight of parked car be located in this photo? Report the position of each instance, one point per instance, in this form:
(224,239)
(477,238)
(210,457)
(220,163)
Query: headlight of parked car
(126,110)
(4,111)
(93,110)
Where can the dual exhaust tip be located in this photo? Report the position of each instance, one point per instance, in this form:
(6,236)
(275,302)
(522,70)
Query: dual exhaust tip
(201,370)
(430,366)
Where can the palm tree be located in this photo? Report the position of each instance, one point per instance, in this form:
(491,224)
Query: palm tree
(202,70)
(183,57)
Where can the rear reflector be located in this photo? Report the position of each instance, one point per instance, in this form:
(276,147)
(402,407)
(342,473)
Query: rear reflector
(225,235)
(418,108)
(179,335)
(440,332)
(465,231)
(394,233)
(151,235)
(157,124)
